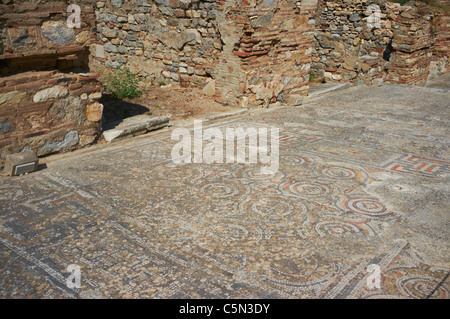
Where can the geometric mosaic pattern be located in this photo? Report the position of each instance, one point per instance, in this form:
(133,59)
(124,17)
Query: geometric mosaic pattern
(416,164)
(140,226)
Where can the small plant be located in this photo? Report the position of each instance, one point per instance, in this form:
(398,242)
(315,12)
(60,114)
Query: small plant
(121,83)
(312,77)
(157,105)
(149,113)
(162,83)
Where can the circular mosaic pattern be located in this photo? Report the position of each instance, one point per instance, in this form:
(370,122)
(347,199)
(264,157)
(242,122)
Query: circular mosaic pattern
(304,266)
(367,206)
(271,207)
(230,232)
(339,173)
(253,173)
(294,160)
(131,200)
(219,190)
(179,172)
(307,274)
(335,228)
(306,189)
(422,287)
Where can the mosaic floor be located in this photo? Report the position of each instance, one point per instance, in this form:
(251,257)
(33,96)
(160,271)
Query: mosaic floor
(363,180)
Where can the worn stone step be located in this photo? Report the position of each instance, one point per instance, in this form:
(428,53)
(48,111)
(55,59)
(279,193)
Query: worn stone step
(134,125)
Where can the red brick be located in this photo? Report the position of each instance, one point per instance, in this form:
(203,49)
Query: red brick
(74,86)
(31,86)
(242,54)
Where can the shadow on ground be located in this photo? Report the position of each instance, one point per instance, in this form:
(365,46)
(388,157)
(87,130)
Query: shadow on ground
(114,110)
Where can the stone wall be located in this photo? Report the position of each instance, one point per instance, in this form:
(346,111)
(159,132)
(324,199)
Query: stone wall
(347,47)
(48,100)
(174,40)
(254,51)
(413,42)
(274,49)
(352,45)
(259,51)
(440,59)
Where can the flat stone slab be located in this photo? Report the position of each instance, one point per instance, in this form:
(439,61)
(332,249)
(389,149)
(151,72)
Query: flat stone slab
(327,88)
(134,125)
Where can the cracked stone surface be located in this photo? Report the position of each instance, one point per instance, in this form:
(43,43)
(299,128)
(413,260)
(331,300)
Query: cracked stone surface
(363,179)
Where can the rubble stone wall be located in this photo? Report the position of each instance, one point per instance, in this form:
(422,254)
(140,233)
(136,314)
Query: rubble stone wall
(440,59)
(255,50)
(374,41)
(348,47)
(48,100)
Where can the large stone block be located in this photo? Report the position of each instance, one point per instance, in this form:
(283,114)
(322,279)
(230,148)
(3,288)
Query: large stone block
(21,163)
(58,32)
(56,91)
(13,97)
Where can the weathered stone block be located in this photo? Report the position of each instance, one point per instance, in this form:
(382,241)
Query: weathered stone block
(94,112)
(58,32)
(68,109)
(70,139)
(21,163)
(13,97)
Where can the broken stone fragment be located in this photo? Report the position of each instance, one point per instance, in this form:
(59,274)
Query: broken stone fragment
(210,88)
(268,90)
(354,17)
(377,82)
(5,127)
(20,37)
